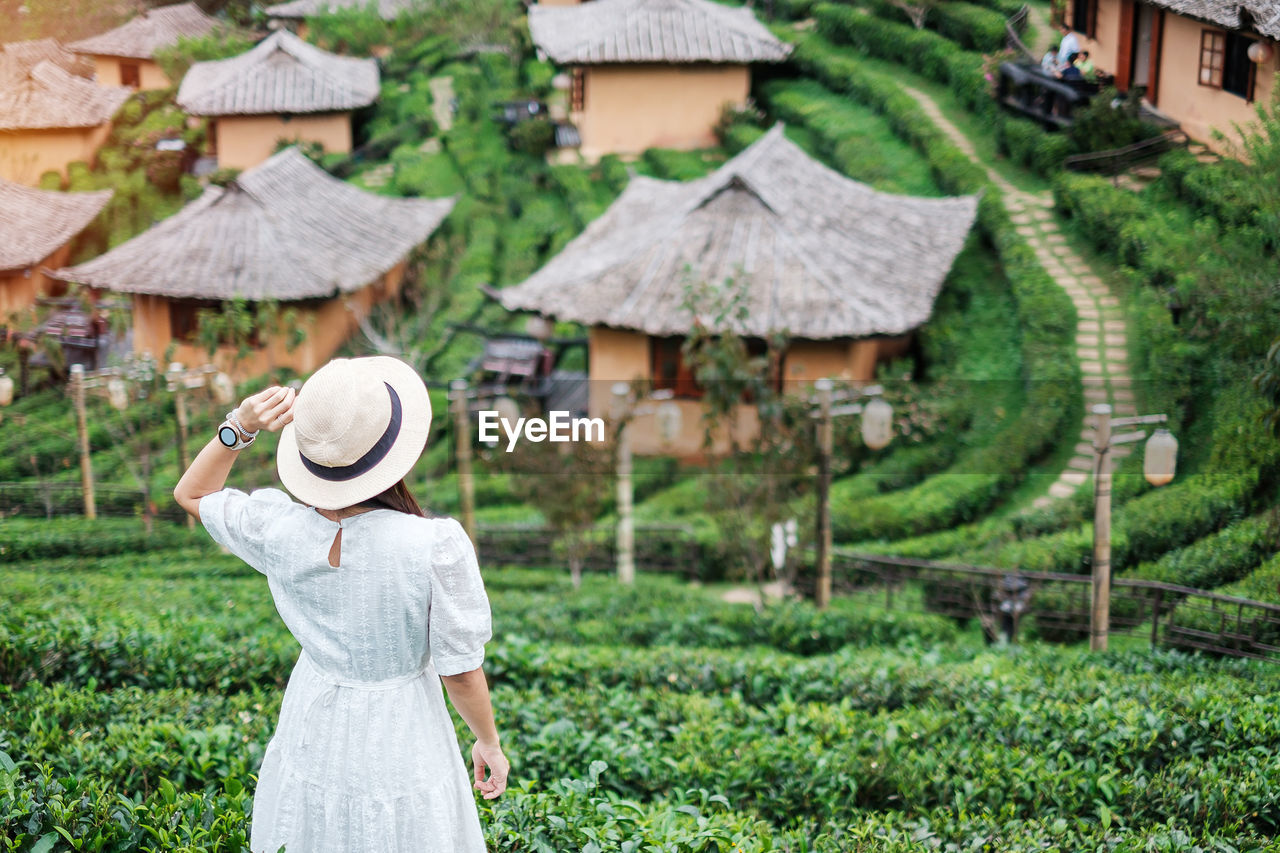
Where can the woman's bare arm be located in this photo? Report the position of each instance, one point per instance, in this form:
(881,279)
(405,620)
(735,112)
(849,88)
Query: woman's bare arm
(270,410)
(469,693)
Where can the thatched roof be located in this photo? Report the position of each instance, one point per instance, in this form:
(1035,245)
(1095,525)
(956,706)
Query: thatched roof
(652,31)
(388,10)
(46,97)
(282,74)
(141,37)
(36,223)
(21,56)
(1261,16)
(283,230)
(820,256)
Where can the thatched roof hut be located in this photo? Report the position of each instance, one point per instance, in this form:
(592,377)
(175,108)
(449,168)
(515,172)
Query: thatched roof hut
(19,57)
(665,31)
(34,223)
(47,97)
(284,230)
(296,10)
(821,256)
(281,75)
(1262,16)
(142,36)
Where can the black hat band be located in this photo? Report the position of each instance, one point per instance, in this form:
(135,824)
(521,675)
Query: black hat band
(365,463)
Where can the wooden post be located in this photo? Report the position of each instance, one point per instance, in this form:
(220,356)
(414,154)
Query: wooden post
(466,482)
(1155,617)
(822,594)
(180,415)
(626,533)
(1100,616)
(82,441)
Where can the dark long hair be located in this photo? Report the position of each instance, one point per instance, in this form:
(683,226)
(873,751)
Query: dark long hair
(399,498)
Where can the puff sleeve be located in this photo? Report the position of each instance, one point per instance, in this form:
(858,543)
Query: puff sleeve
(240,522)
(458,623)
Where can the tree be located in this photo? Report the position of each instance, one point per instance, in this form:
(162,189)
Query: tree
(916,10)
(569,484)
(763,476)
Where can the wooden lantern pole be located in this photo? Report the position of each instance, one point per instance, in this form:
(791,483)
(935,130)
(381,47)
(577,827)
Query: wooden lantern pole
(82,442)
(822,595)
(466,481)
(1100,618)
(626,533)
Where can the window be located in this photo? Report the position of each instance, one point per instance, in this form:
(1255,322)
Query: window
(130,74)
(1224,62)
(185,316)
(578,92)
(668,368)
(1084,16)
(671,373)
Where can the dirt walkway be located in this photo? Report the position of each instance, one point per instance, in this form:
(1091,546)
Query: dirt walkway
(1101,343)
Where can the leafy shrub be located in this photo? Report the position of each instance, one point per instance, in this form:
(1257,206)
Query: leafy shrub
(533,136)
(971,26)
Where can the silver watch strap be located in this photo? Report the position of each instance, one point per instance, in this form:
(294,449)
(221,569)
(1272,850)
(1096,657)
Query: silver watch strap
(234,419)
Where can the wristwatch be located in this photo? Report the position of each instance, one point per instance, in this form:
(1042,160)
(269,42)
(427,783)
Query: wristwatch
(233,435)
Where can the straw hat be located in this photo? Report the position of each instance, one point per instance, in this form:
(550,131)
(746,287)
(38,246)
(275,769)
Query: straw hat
(359,425)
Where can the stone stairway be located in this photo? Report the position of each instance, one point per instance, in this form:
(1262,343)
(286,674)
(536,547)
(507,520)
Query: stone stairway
(1101,342)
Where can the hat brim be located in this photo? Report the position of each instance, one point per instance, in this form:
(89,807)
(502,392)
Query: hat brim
(415,426)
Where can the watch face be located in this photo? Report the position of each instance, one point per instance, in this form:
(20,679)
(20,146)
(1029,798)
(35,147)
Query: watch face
(227,435)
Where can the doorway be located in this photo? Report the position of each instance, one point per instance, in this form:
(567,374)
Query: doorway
(1144,68)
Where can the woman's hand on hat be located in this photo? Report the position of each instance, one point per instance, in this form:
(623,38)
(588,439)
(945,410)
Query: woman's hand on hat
(269,409)
(490,755)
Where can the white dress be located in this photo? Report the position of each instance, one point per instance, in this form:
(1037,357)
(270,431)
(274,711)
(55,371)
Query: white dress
(364,758)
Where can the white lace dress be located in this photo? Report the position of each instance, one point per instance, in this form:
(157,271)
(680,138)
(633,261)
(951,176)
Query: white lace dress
(364,757)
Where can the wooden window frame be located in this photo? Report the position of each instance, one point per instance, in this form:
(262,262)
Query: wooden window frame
(1090,29)
(1216,44)
(578,90)
(1213,45)
(133,77)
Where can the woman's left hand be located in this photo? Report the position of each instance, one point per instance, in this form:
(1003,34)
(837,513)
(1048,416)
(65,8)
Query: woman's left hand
(269,409)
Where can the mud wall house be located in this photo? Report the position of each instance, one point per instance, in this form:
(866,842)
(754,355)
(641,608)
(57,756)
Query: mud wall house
(652,73)
(847,280)
(49,118)
(284,231)
(36,229)
(282,89)
(1190,56)
(125,56)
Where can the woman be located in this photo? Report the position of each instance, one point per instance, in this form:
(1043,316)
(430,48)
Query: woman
(383,600)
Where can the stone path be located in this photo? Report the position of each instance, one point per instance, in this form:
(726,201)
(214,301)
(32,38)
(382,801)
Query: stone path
(1101,342)
(442,102)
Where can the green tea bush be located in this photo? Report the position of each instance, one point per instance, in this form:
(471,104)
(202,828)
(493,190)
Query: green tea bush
(971,26)
(927,53)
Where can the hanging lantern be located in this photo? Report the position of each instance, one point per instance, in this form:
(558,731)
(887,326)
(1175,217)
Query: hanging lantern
(224,390)
(507,409)
(539,327)
(6,389)
(877,423)
(1260,52)
(669,418)
(1160,459)
(117,393)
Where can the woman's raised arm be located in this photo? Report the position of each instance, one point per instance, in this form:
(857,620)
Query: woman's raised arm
(269,409)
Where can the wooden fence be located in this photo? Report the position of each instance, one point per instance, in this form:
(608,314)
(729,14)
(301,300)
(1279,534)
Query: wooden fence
(1053,606)
(1058,605)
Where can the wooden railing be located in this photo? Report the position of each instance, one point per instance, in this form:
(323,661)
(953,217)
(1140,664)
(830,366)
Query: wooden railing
(1014,26)
(1115,161)
(1059,604)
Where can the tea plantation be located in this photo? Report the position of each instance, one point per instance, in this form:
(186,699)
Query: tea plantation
(139,691)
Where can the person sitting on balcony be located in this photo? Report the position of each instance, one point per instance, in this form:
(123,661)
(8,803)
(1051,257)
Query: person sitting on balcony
(1070,46)
(1085,64)
(1049,63)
